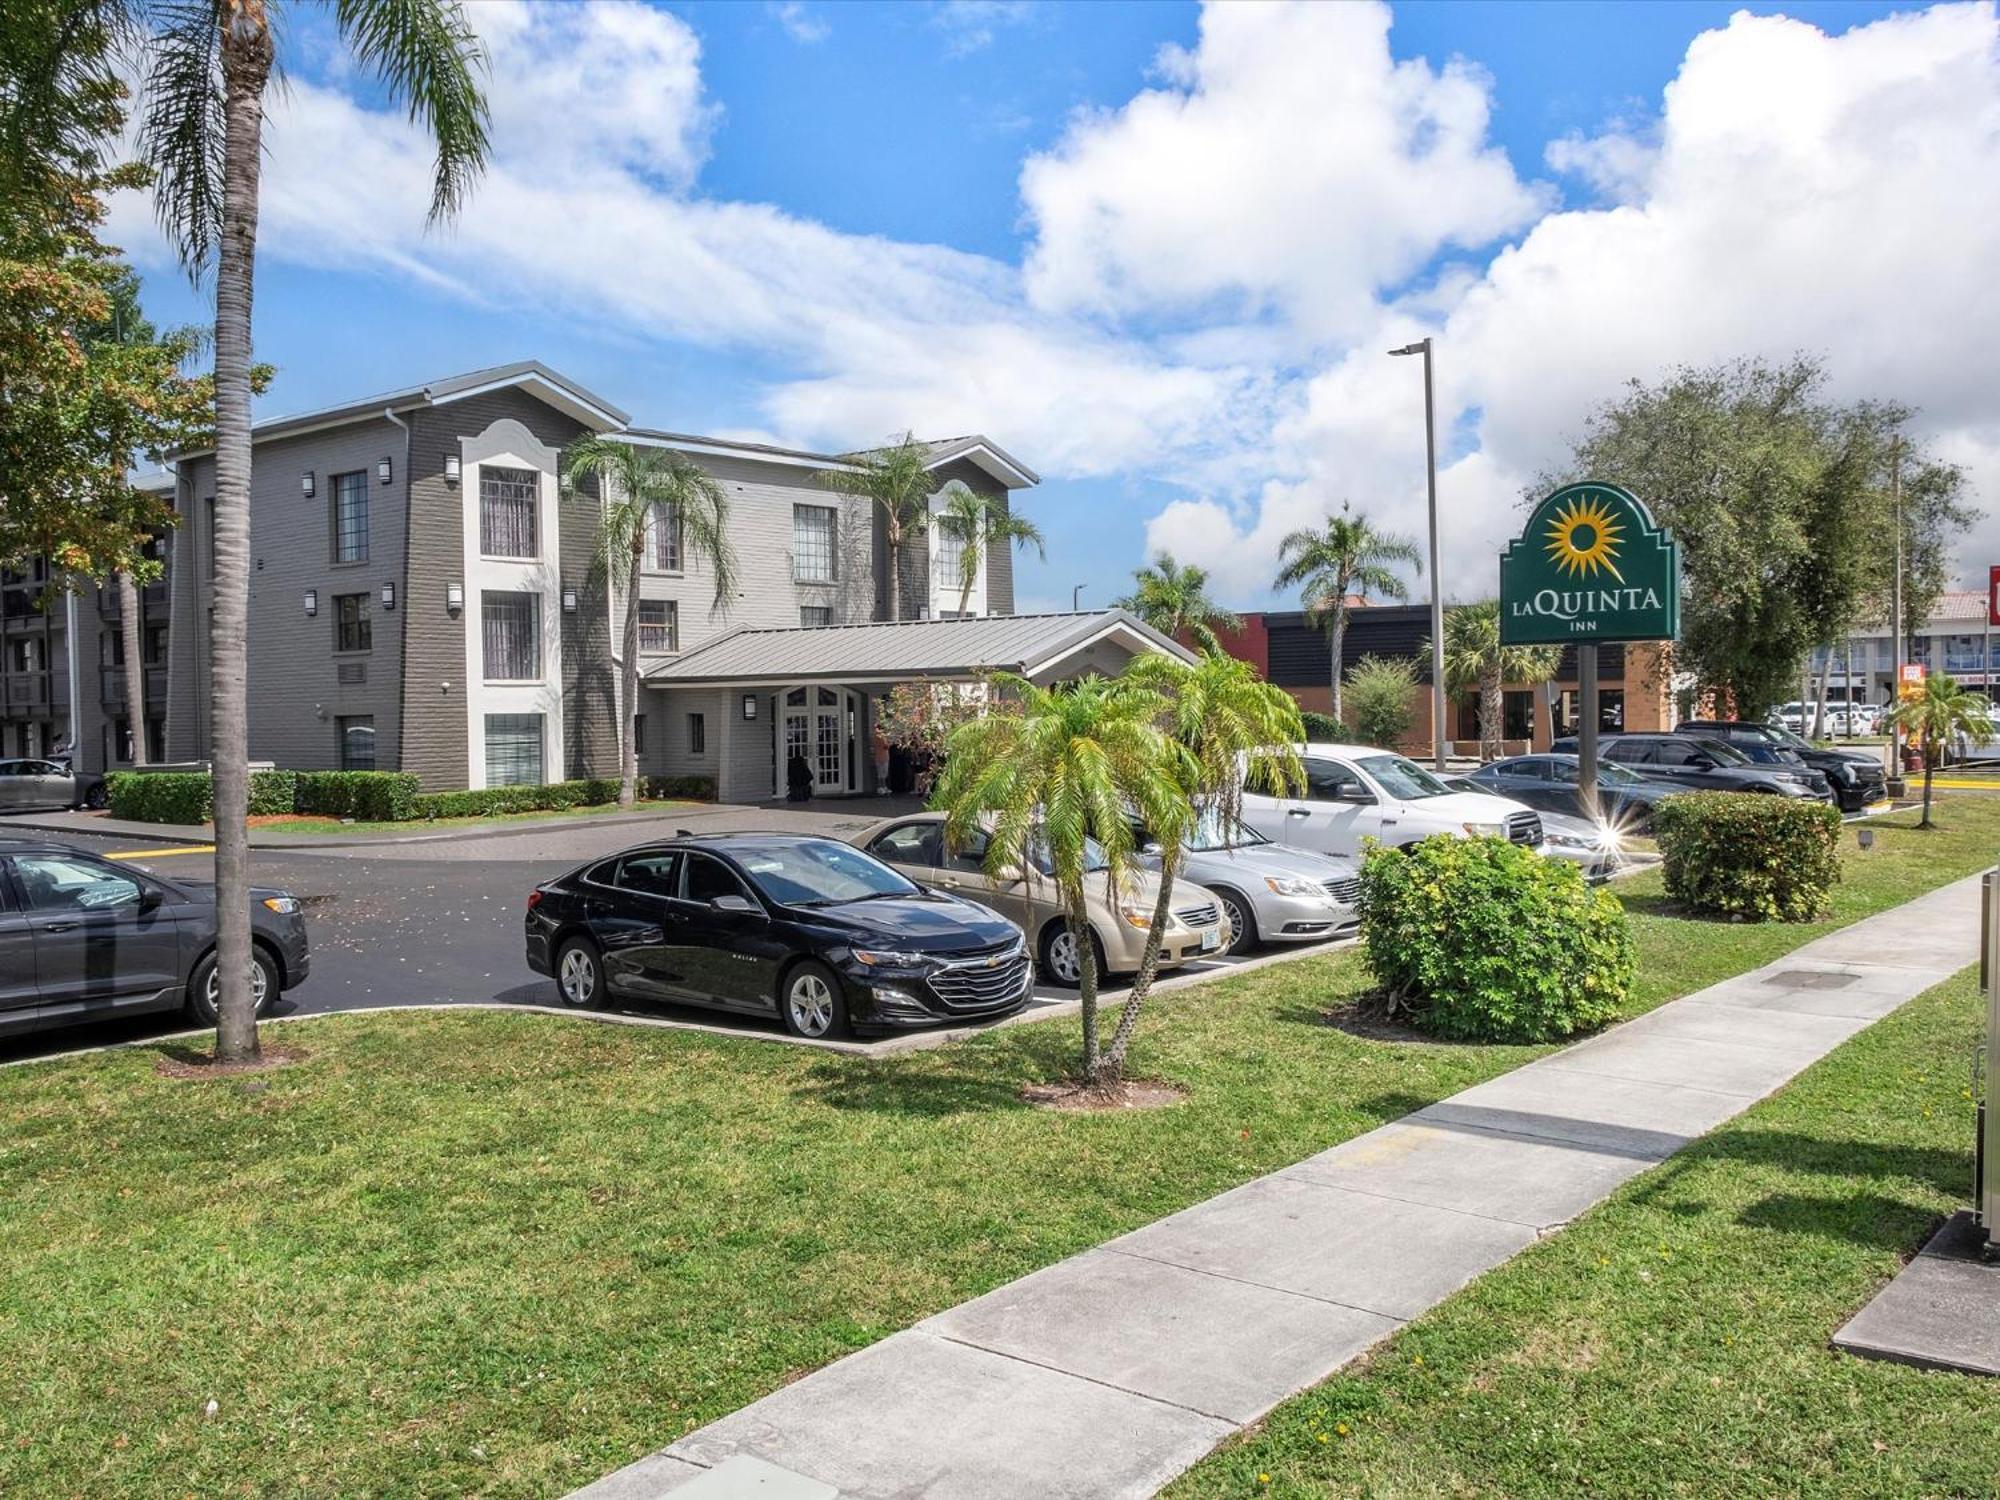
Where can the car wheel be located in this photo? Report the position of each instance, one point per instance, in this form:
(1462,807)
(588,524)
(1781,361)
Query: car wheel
(1242,921)
(204,991)
(96,798)
(580,974)
(812,1005)
(1060,964)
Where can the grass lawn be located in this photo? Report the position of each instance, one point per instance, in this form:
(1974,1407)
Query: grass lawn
(491,1253)
(1674,1340)
(299,823)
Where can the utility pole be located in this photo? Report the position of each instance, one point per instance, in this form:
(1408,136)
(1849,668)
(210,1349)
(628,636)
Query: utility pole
(1896,602)
(1438,734)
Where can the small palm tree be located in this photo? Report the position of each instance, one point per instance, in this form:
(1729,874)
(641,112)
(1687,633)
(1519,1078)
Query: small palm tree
(640,490)
(899,483)
(1345,558)
(980,523)
(1933,717)
(1174,601)
(1054,769)
(1475,659)
(202,132)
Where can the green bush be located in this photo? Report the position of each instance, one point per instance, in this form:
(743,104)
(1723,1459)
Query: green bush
(1376,697)
(555,796)
(686,788)
(1749,855)
(1483,940)
(367,796)
(1322,729)
(159,796)
(273,792)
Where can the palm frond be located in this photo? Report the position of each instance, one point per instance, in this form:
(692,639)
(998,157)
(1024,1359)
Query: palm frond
(182,130)
(427,55)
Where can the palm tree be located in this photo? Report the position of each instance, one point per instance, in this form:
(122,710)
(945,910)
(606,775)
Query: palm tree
(1174,601)
(203,135)
(1934,717)
(981,523)
(639,492)
(1347,557)
(1053,770)
(1474,658)
(898,482)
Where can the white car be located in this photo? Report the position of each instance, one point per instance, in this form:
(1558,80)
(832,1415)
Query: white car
(1358,792)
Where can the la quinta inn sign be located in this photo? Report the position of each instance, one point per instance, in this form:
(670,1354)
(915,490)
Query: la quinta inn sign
(1591,565)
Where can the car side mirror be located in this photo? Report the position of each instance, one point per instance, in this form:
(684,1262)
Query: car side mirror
(1008,875)
(150,898)
(1702,763)
(740,904)
(1356,794)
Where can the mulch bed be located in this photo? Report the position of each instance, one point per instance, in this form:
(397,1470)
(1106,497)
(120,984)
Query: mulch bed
(183,1062)
(1085,1098)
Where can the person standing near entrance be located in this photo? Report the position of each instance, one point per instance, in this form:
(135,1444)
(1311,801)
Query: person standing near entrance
(798,778)
(879,747)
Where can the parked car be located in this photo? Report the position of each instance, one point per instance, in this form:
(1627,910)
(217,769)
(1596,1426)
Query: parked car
(1771,755)
(85,939)
(1597,849)
(1553,784)
(1119,922)
(1856,777)
(815,932)
(28,784)
(1270,892)
(1696,764)
(1357,792)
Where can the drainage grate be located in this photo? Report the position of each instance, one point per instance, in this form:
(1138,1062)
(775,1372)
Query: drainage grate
(1811,979)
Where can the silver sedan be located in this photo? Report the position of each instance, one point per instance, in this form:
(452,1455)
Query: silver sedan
(26,784)
(1270,893)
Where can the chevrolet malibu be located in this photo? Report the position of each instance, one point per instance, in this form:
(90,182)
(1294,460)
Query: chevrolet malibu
(819,934)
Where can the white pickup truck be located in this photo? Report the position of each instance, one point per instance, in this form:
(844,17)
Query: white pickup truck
(1356,792)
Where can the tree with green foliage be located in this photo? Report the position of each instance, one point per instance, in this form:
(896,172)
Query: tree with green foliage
(1378,700)
(1174,601)
(1475,661)
(1345,559)
(980,524)
(1939,715)
(898,483)
(641,494)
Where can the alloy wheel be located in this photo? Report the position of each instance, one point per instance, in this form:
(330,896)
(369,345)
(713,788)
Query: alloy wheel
(259,986)
(578,977)
(1238,922)
(1062,958)
(810,1001)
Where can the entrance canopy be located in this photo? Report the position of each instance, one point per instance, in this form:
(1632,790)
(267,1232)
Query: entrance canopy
(1043,648)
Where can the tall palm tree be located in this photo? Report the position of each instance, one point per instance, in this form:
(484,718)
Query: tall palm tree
(638,491)
(898,483)
(1054,769)
(210,61)
(1174,601)
(1475,659)
(1346,557)
(1934,717)
(980,523)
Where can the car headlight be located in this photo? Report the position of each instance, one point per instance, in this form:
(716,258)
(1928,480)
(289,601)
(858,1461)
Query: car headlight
(1485,830)
(1294,885)
(889,958)
(1140,917)
(284,906)
(1571,841)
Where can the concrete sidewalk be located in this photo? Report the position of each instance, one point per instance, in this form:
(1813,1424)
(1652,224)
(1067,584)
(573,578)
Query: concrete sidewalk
(1110,1373)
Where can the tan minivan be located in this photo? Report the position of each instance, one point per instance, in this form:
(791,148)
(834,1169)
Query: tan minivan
(914,845)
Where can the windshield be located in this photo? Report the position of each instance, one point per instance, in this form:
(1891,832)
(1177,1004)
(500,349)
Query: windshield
(1786,738)
(1723,754)
(1213,833)
(1403,779)
(1038,856)
(819,872)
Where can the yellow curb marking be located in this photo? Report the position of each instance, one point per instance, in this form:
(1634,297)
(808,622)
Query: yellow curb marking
(161,853)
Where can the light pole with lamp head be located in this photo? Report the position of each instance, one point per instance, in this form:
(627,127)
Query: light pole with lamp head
(1076,598)
(1438,736)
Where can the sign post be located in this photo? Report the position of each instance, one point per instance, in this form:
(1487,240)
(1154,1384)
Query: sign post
(1590,566)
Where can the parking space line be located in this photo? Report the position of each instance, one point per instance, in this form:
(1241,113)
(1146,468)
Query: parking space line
(162,853)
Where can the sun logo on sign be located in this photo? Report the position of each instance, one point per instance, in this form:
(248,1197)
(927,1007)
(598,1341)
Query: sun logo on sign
(1584,538)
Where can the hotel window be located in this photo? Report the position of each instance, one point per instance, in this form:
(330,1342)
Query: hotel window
(659,625)
(350,517)
(697,734)
(357,742)
(666,538)
(513,749)
(812,543)
(815,614)
(351,628)
(948,552)
(507,504)
(511,635)
(156,644)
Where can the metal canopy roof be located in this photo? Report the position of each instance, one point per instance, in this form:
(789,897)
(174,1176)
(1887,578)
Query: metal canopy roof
(1028,644)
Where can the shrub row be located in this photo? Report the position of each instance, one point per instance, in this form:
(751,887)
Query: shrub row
(1745,855)
(368,796)
(185,796)
(554,796)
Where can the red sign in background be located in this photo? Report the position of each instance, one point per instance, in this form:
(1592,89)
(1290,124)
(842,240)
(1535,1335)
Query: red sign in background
(1993,595)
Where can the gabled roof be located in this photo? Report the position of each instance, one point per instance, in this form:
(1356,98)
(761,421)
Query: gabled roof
(883,652)
(989,455)
(979,450)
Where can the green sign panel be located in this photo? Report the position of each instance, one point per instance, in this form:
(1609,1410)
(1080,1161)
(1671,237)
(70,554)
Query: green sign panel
(1591,565)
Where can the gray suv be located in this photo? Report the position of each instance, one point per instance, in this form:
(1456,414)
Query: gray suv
(83,939)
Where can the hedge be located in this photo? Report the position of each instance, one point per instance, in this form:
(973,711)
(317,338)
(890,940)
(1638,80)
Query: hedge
(683,788)
(367,796)
(1482,940)
(188,797)
(554,796)
(1749,855)
(370,796)
(1322,729)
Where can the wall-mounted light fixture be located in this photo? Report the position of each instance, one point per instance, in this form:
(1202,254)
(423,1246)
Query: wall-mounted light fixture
(306,483)
(451,468)
(388,596)
(749,707)
(569,601)
(382,470)
(312,601)
(454,597)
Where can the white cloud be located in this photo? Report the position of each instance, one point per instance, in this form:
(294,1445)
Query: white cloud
(969,26)
(800,24)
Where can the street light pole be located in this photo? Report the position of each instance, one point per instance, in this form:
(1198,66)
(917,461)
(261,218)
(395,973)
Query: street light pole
(1896,604)
(1076,598)
(1438,735)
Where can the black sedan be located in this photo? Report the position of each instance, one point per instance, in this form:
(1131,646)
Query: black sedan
(1553,783)
(1856,776)
(83,939)
(822,935)
(1695,764)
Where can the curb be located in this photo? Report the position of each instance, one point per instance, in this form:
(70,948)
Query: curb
(171,833)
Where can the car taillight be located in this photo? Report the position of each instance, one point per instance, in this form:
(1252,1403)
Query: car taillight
(534,899)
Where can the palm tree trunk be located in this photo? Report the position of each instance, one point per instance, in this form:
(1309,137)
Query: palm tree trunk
(628,739)
(1149,968)
(895,572)
(1489,713)
(1334,638)
(1086,987)
(135,668)
(968,572)
(1930,764)
(246,67)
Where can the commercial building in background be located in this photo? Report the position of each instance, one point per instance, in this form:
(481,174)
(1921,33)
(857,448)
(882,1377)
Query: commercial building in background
(1956,640)
(1292,650)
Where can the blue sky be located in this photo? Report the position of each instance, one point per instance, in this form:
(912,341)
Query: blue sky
(1211,407)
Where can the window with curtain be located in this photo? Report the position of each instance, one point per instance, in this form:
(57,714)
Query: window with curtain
(350,517)
(357,741)
(659,625)
(948,553)
(351,628)
(667,538)
(815,614)
(511,633)
(812,543)
(508,499)
(514,750)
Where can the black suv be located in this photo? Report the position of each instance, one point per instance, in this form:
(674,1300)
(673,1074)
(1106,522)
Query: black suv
(1856,776)
(1700,765)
